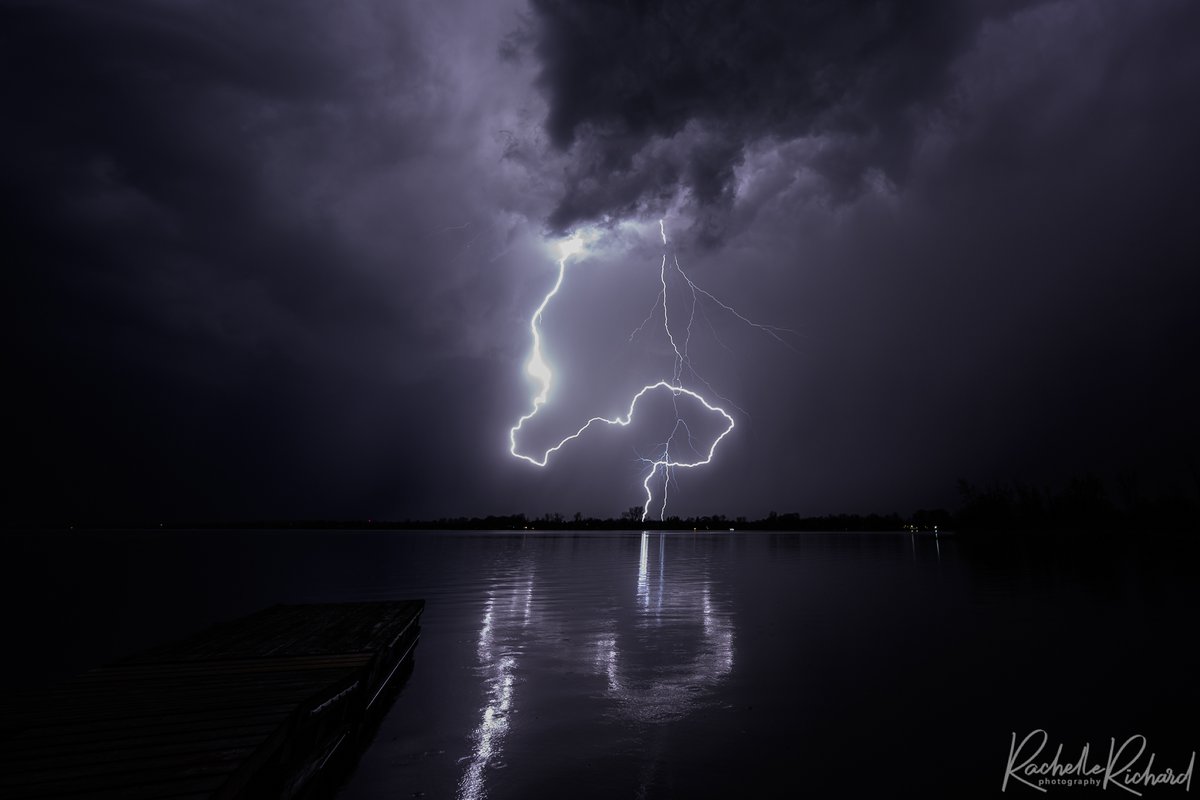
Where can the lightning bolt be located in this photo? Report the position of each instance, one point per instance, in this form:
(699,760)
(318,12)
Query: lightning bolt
(664,462)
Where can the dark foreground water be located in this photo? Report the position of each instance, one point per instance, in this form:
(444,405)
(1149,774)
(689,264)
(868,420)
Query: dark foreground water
(649,665)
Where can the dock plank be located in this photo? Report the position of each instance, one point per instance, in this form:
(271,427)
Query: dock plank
(247,708)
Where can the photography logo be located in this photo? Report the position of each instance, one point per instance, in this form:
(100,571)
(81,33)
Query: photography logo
(1130,766)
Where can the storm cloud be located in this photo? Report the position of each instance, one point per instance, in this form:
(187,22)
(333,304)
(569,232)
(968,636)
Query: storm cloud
(656,98)
(276,260)
(213,239)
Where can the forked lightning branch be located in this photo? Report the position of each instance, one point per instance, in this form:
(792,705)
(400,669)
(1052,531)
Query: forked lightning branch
(666,459)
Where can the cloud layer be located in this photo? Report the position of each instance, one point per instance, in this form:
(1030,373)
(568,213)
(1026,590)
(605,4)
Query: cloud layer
(278,260)
(657,98)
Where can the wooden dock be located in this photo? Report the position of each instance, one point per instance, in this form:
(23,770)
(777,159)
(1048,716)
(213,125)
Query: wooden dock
(264,706)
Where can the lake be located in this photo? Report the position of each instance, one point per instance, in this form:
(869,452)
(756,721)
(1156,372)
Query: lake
(653,665)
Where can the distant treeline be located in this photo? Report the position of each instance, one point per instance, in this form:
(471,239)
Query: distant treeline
(632,520)
(1083,505)
(557,522)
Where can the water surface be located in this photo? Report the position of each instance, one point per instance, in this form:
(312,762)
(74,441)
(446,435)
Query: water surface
(650,665)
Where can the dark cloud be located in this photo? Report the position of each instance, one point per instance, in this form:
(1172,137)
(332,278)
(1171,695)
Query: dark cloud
(279,259)
(690,85)
(1015,308)
(215,262)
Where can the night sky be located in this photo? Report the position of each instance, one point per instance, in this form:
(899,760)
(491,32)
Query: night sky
(278,259)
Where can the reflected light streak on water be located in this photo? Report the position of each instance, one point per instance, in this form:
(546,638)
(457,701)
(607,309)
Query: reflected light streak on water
(646,679)
(498,665)
(662,692)
(643,590)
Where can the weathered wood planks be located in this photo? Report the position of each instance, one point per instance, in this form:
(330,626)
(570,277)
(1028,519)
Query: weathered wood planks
(256,707)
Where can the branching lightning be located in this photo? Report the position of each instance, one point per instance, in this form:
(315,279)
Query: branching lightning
(665,461)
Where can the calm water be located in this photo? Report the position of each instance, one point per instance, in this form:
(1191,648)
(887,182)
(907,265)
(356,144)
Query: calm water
(647,665)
